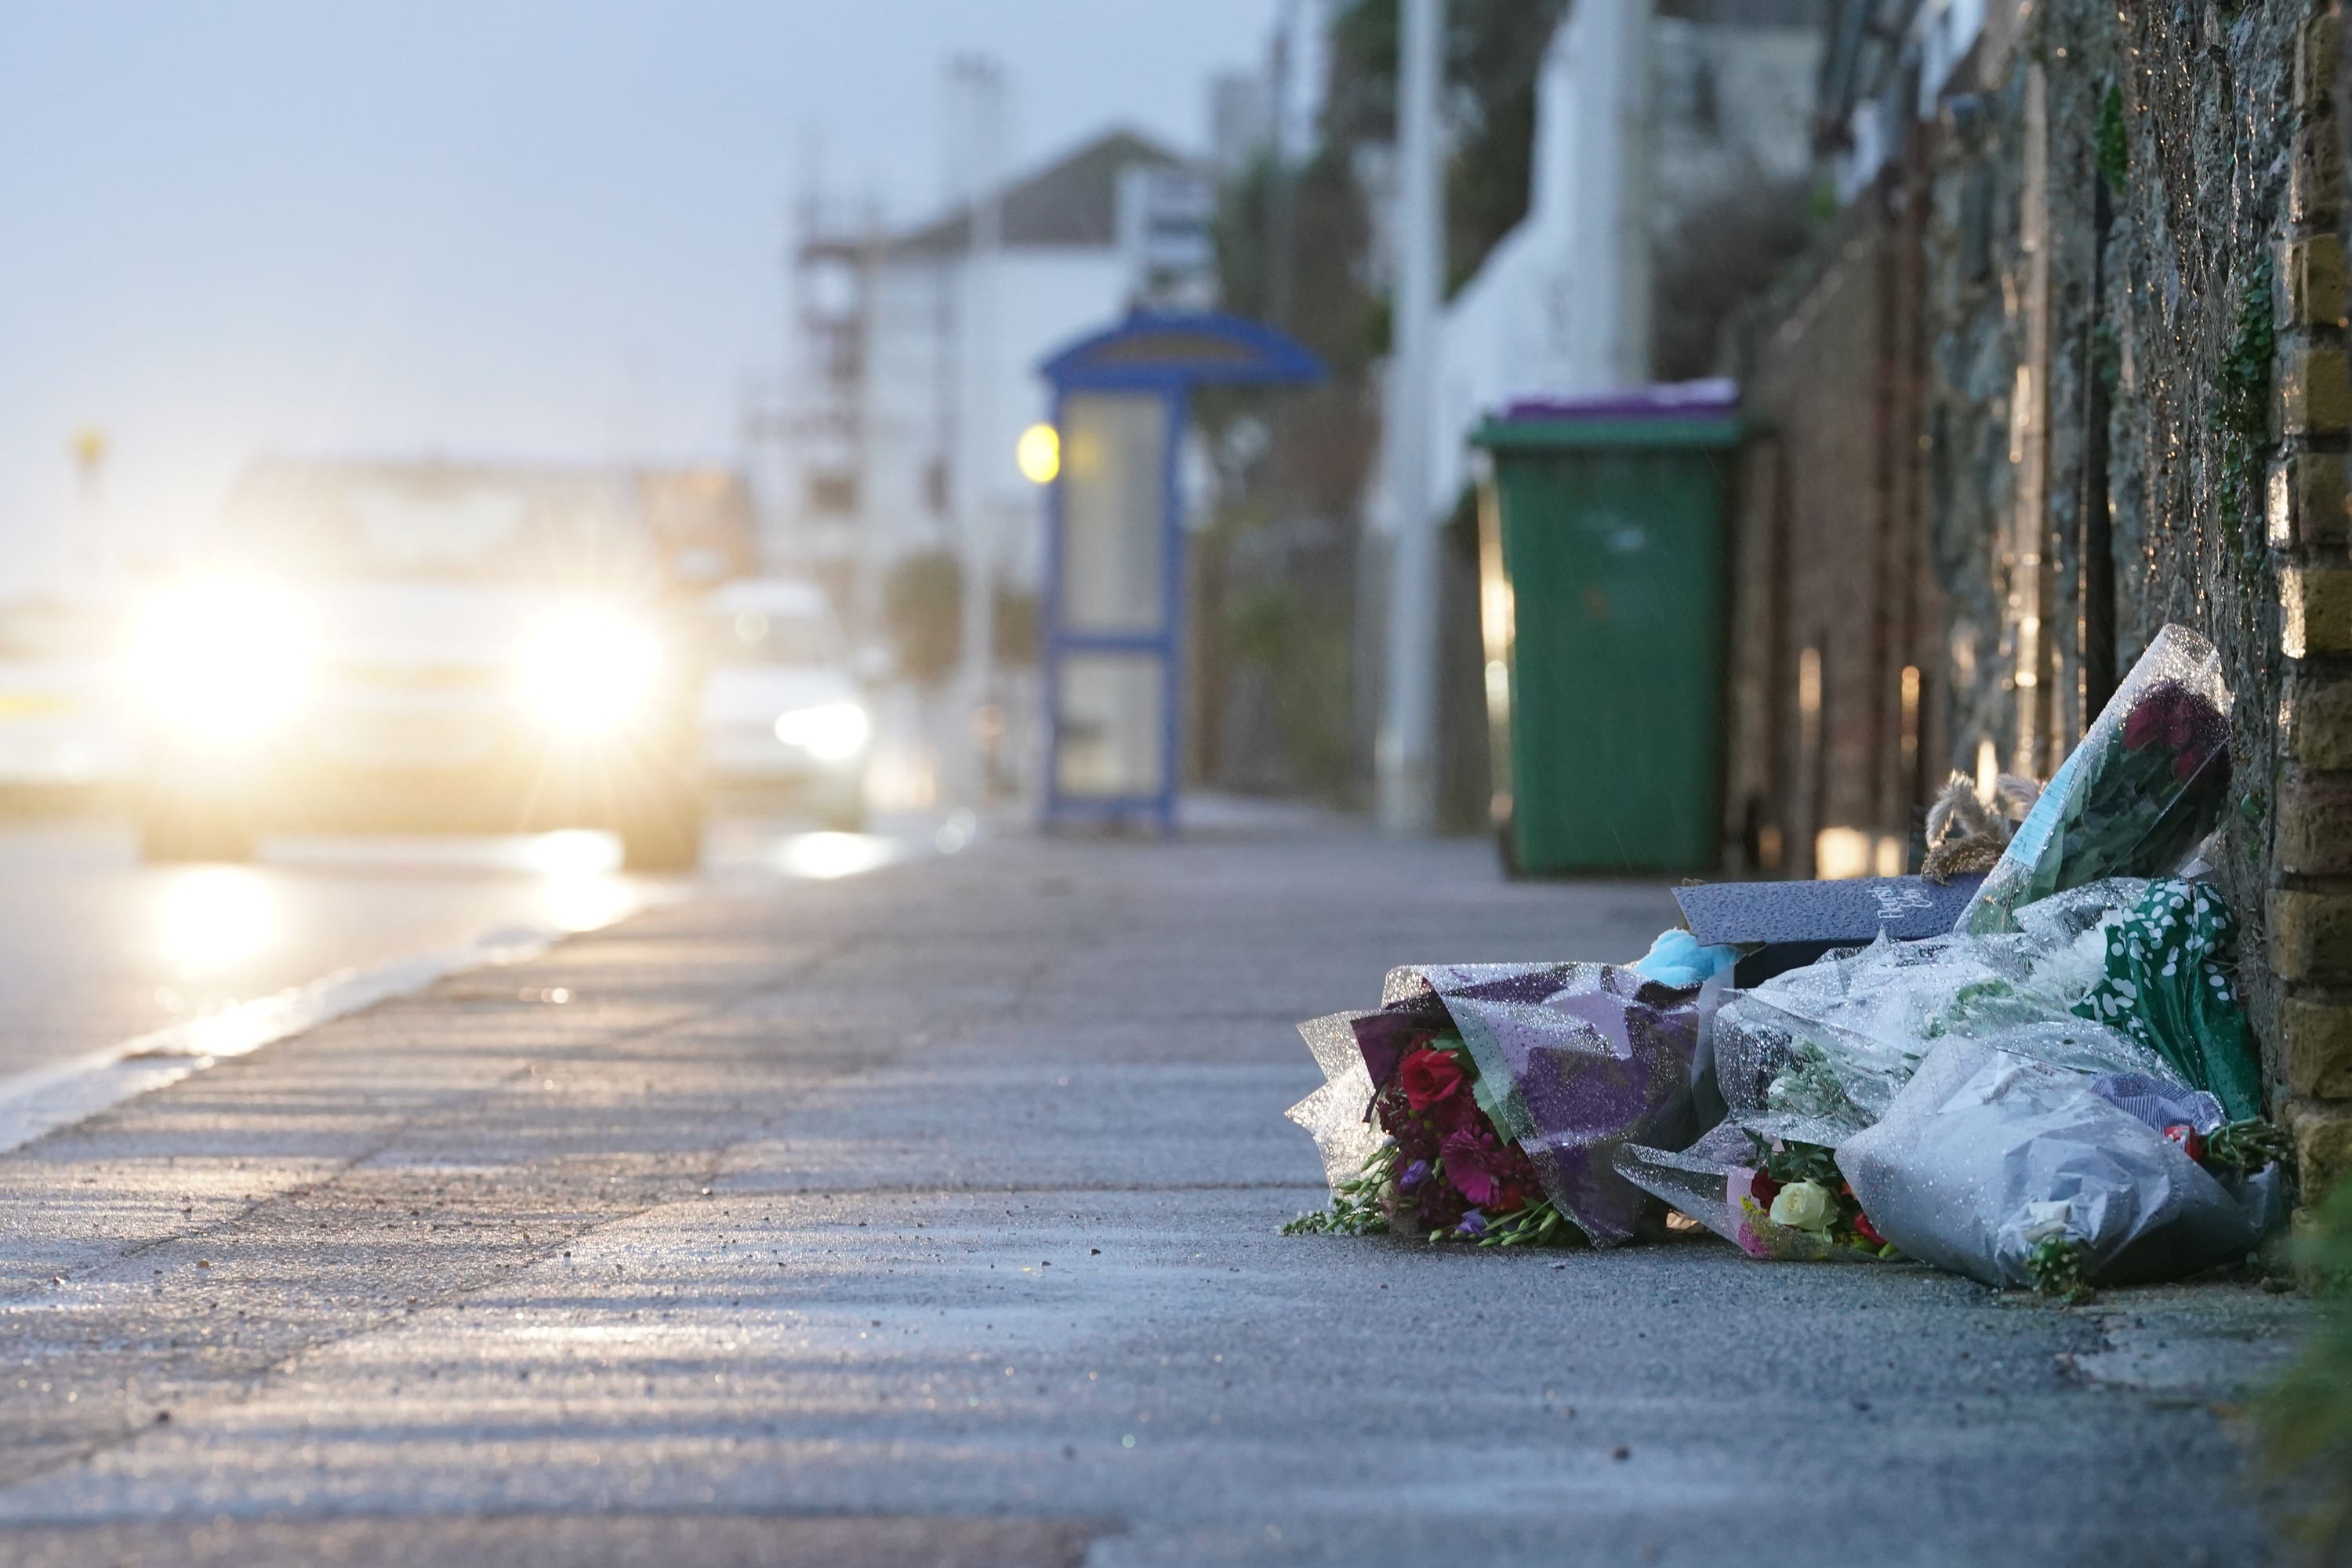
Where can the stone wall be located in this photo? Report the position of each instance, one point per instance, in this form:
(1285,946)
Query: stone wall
(2168,187)
(2135,409)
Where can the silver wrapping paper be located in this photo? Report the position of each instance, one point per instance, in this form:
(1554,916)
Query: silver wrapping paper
(1985,1152)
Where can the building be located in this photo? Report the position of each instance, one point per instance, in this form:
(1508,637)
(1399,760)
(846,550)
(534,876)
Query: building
(1658,124)
(920,350)
(1671,174)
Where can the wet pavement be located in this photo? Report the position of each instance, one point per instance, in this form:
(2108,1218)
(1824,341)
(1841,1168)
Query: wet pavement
(930,1215)
(108,957)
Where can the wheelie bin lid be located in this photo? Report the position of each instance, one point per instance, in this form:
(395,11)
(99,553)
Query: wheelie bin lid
(1678,414)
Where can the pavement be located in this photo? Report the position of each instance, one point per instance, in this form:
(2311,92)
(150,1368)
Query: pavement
(930,1216)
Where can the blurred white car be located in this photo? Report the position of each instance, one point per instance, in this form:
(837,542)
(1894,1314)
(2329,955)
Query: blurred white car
(63,723)
(782,708)
(421,645)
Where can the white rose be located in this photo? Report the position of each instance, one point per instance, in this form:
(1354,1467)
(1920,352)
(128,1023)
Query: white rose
(1802,1205)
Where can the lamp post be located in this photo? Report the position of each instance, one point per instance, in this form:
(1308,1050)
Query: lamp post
(984,83)
(91,545)
(1406,754)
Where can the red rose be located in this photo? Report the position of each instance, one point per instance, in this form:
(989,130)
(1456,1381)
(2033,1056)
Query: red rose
(2162,717)
(1763,1188)
(1867,1231)
(2174,719)
(1430,1077)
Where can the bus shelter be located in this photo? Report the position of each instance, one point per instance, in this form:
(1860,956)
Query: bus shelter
(1114,602)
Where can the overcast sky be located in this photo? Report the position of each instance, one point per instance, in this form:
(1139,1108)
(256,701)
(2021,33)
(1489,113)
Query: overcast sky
(480,227)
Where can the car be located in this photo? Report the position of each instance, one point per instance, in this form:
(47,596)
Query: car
(783,711)
(410,647)
(63,730)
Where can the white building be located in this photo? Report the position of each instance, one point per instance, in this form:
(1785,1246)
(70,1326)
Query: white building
(953,333)
(1645,111)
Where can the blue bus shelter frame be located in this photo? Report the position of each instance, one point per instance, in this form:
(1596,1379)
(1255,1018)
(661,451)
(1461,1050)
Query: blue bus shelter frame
(1166,355)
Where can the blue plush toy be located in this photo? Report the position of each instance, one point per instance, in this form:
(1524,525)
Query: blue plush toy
(1677,959)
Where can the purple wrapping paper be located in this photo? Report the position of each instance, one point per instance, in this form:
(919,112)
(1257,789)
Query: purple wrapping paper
(1574,1060)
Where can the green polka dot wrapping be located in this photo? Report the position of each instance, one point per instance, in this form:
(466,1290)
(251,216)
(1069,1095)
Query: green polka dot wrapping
(2171,984)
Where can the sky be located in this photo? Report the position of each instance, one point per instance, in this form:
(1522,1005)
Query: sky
(508,228)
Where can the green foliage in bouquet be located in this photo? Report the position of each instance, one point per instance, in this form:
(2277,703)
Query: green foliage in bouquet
(1978,1009)
(2151,797)
(1797,1186)
(2055,1264)
(1357,1207)
(2244,1147)
(1538,1224)
(1806,1085)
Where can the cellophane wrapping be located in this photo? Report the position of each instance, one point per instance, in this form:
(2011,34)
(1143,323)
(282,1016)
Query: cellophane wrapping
(2134,797)
(1714,1183)
(1986,1153)
(1575,1061)
(1836,1041)
(1816,1055)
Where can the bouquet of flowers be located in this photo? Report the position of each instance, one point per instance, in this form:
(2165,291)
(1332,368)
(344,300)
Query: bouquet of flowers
(1795,1186)
(1443,1170)
(1486,1102)
(1764,1185)
(2149,782)
(2170,963)
(2020,1173)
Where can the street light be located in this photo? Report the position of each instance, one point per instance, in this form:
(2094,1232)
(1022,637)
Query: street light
(1039,454)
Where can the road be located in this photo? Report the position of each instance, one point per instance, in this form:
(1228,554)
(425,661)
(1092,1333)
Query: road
(100,949)
(931,1216)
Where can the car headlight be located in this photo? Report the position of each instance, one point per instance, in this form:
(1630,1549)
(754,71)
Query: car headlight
(222,660)
(830,732)
(589,672)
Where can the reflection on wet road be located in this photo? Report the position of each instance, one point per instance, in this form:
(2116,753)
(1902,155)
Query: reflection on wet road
(99,949)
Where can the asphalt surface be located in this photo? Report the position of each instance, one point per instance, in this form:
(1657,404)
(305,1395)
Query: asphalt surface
(930,1216)
(100,949)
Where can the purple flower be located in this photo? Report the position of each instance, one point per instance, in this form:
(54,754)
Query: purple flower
(1412,1176)
(1473,1224)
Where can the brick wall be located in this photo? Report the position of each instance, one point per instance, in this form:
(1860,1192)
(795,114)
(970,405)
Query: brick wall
(2310,904)
(1837,626)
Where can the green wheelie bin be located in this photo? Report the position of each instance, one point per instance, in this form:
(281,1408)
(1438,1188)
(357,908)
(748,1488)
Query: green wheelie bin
(1603,608)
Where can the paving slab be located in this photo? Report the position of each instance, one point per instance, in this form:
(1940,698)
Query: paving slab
(931,1216)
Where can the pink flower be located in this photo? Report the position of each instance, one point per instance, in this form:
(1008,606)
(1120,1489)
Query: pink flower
(1477,1165)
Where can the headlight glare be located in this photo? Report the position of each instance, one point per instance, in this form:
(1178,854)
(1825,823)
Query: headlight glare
(222,660)
(830,732)
(588,673)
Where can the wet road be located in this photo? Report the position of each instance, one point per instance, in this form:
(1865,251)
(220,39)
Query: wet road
(96,949)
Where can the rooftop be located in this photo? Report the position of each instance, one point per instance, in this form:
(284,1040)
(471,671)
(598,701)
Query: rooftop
(1074,201)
